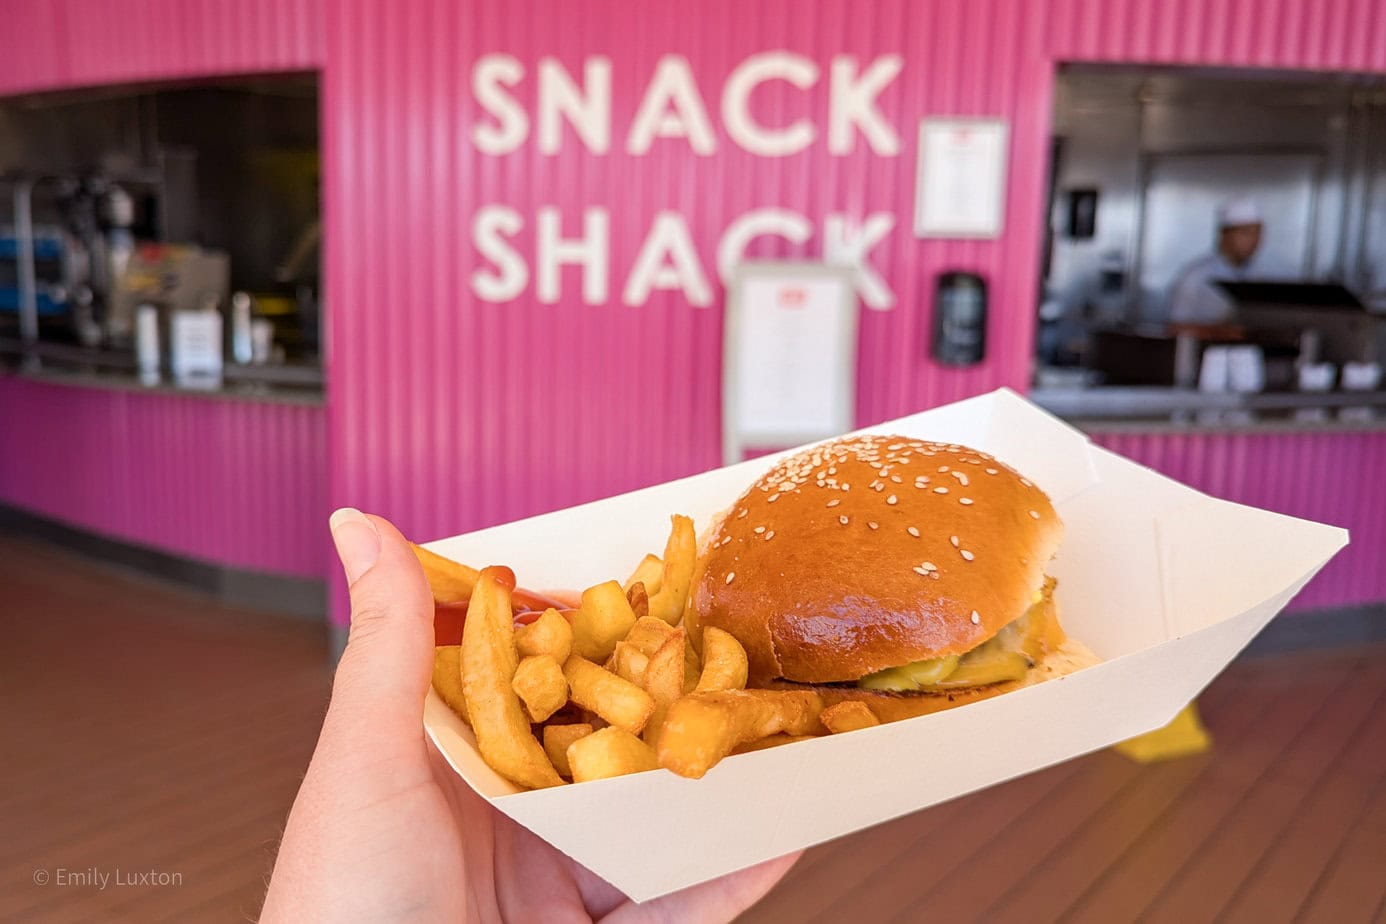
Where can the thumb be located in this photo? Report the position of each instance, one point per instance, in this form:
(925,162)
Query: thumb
(385,670)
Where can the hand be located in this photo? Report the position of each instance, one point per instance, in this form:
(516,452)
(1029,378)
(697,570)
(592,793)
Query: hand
(384,830)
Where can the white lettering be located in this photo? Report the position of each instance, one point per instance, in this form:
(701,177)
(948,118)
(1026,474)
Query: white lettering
(736,97)
(668,260)
(589,251)
(791,226)
(672,86)
(845,243)
(490,227)
(588,109)
(489,77)
(852,101)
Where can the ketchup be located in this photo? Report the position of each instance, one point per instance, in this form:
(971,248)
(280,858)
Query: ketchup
(448,618)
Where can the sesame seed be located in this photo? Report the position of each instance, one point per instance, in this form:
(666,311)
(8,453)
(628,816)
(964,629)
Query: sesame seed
(965,501)
(880,487)
(872,523)
(1034,514)
(772,498)
(991,471)
(976,618)
(913,532)
(967,556)
(962,479)
(730,576)
(942,469)
(834,502)
(954,540)
(845,486)
(940,490)
(890,499)
(770,535)
(742,514)
(842,520)
(897,479)
(758,530)
(920,569)
(1027,482)
(929,566)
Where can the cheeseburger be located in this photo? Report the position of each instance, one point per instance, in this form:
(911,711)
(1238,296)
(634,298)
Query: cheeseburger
(904,573)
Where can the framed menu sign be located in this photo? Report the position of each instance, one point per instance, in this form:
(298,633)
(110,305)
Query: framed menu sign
(789,367)
(960,185)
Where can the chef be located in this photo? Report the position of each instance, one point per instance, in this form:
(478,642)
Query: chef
(1195,299)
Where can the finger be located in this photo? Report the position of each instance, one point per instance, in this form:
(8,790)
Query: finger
(719,900)
(384,673)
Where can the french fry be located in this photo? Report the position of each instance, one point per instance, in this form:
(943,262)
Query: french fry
(692,664)
(664,680)
(449,581)
(618,701)
(550,634)
(848,716)
(724,662)
(649,572)
(541,686)
(628,662)
(702,728)
(557,738)
(489,662)
(769,741)
(639,599)
(603,620)
(447,678)
(648,634)
(680,555)
(609,752)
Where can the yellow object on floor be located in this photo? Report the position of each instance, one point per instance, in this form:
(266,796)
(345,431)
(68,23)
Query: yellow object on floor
(1180,738)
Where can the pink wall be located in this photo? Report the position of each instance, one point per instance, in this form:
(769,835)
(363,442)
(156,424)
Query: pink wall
(448,413)
(230,482)
(1338,478)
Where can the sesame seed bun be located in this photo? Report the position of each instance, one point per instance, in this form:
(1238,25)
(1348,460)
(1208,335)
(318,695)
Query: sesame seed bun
(872,552)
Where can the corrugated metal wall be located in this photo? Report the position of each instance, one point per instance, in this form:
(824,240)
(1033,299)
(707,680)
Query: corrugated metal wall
(48,44)
(1338,478)
(230,482)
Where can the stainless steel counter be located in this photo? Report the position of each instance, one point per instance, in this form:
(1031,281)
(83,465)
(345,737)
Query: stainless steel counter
(59,364)
(1152,408)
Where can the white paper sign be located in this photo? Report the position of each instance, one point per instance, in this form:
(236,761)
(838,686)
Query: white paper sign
(960,188)
(195,349)
(789,369)
(1165,584)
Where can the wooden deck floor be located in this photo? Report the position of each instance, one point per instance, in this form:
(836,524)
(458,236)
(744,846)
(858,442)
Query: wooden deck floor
(147,730)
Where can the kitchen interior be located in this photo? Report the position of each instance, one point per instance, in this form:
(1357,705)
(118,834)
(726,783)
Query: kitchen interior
(164,237)
(1216,249)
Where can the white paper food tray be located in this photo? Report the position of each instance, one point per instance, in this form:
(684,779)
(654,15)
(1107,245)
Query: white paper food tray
(1164,583)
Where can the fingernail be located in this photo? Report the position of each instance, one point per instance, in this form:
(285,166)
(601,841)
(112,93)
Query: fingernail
(358,543)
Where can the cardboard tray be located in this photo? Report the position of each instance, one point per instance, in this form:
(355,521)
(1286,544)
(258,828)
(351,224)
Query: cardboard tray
(1164,583)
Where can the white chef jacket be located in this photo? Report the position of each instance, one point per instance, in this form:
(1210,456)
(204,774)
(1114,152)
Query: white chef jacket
(1195,299)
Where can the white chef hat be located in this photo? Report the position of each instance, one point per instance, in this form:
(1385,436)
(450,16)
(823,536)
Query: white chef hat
(1241,211)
